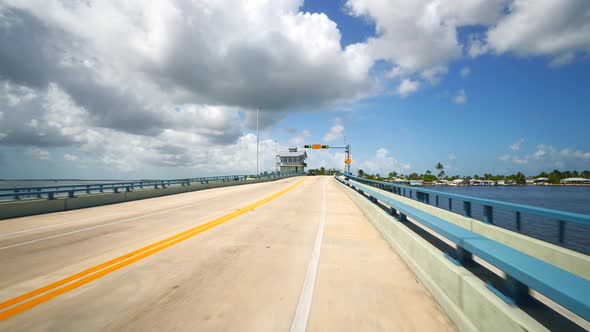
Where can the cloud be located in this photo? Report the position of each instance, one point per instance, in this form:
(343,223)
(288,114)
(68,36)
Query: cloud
(476,46)
(433,75)
(383,163)
(465,71)
(38,153)
(543,150)
(422,36)
(299,137)
(520,161)
(326,159)
(336,132)
(461,97)
(555,28)
(516,146)
(233,59)
(70,157)
(546,157)
(407,87)
(452,156)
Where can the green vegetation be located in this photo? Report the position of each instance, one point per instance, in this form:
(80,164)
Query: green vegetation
(554,177)
(324,171)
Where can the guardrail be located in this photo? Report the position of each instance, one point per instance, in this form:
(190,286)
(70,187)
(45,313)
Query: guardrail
(52,192)
(522,271)
(488,205)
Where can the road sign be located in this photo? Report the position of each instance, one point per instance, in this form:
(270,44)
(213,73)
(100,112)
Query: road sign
(348,160)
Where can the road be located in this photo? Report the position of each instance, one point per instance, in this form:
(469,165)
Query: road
(295,254)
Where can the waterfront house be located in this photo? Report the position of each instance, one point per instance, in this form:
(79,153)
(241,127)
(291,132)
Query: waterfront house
(401,181)
(575,181)
(541,180)
(457,182)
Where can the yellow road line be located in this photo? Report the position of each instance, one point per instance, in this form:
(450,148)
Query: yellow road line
(52,290)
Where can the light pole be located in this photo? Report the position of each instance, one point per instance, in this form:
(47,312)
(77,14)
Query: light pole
(257,140)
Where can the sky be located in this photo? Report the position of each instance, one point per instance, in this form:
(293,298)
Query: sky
(169,89)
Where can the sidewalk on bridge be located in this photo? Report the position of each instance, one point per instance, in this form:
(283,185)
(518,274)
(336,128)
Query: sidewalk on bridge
(362,284)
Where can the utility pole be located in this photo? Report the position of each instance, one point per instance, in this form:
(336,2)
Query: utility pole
(257,140)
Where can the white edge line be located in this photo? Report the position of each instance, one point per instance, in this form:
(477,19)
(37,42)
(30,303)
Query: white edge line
(61,224)
(299,323)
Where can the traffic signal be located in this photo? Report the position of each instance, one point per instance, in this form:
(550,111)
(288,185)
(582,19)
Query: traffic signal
(316,146)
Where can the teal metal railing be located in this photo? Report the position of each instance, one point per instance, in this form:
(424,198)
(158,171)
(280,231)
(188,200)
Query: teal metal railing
(489,207)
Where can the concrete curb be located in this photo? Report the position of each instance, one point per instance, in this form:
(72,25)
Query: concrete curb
(14,209)
(463,296)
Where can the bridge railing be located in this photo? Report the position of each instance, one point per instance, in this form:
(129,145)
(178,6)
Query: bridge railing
(490,208)
(522,271)
(52,192)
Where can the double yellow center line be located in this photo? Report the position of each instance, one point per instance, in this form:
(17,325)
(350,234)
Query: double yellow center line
(26,301)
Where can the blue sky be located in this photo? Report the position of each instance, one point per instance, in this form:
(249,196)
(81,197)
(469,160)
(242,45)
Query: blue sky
(508,99)
(409,84)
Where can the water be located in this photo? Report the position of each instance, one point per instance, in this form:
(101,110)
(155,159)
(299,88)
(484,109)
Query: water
(564,198)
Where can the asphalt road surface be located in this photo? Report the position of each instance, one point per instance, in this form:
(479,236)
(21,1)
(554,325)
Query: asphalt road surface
(291,255)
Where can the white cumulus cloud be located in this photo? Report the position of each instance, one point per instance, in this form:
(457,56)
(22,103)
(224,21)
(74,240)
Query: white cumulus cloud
(461,97)
(407,87)
(383,163)
(336,132)
(516,146)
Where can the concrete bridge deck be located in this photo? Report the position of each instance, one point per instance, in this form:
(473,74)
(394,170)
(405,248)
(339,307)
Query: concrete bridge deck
(247,263)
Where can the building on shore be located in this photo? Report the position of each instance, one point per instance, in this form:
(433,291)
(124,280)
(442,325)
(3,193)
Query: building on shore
(542,180)
(457,182)
(292,161)
(575,181)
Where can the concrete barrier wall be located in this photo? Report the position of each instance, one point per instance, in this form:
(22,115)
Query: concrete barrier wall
(81,202)
(463,296)
(13,209)
(566,259)
(26,208)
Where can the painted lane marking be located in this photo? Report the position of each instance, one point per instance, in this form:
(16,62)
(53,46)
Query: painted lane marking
(299,323)
(61,224)
(50,291)
(103,225)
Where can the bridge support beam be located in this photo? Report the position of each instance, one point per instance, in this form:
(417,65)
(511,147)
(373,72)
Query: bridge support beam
(488,214)
(463,256)
(392,211)
(467,209)
(561,231)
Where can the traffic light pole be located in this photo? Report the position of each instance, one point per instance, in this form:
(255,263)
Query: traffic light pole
(347,151)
